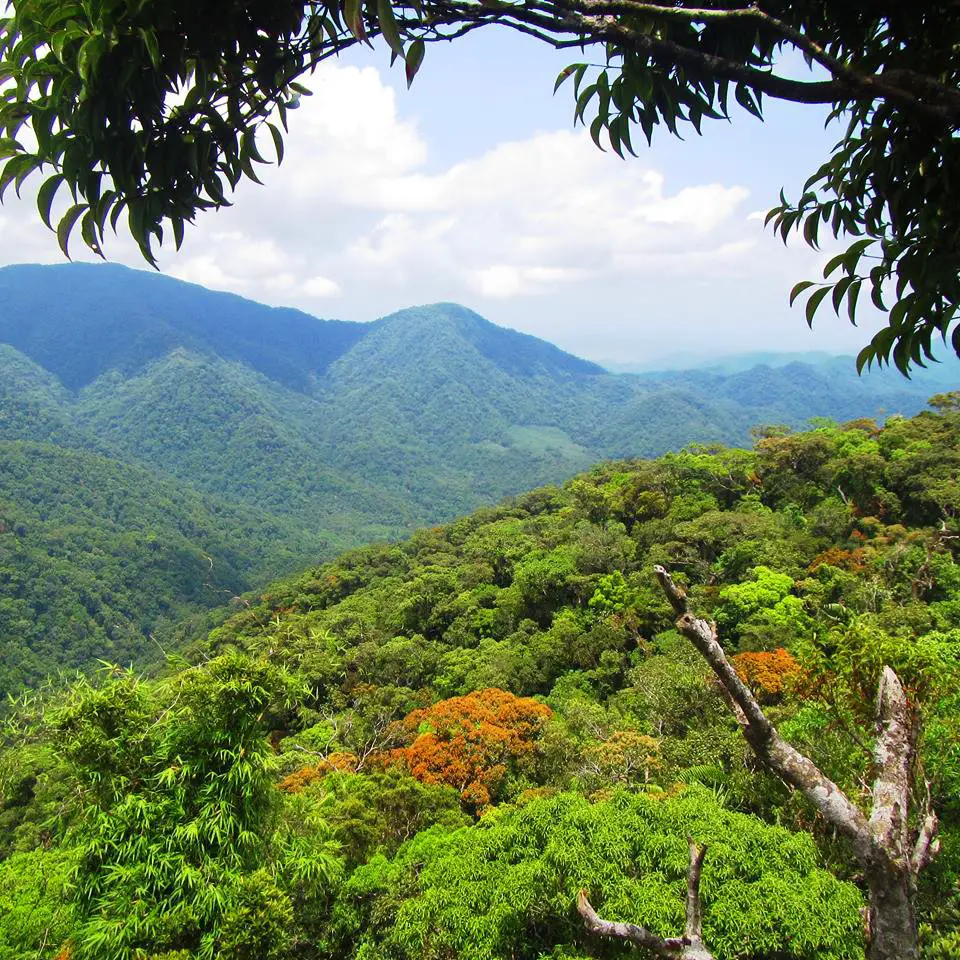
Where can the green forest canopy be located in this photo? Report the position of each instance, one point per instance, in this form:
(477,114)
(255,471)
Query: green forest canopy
(425,749)
(163,449)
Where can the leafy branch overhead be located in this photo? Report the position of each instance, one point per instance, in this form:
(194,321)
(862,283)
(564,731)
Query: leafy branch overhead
(154,110)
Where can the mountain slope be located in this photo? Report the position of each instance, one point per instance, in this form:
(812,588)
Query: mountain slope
(32,402)
(227,429)
(96,556)
(86,319)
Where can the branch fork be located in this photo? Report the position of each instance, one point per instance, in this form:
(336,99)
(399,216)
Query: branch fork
(689,946)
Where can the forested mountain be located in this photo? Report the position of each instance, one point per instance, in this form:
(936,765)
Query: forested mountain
(423,750)
(321,434)
(421,415)
(80,321)
(96,556)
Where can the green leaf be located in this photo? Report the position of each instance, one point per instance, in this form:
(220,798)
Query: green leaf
(388,26)
(353,14)
(45,197)
(248,147)
(852,294)
(811,226)
(816,298)
(66,224)
(854,252)
(839,291)
(799,288)
(88,231)
(566,73)
(583,100)
(16,169)
(747,99)
(89,56)
(277,141)
(153,48)
(596,128)
(833,263)
(414,60)
(9,148)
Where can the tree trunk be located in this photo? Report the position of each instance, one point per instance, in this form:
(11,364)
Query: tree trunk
(880,843)
(892,920)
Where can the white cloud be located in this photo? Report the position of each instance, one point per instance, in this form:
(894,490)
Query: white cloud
(357,204)
(321,287)
(507,280)
(538,232)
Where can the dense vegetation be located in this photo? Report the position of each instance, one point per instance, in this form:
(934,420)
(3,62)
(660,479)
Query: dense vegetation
(97,556)
(222,433)
(423,750)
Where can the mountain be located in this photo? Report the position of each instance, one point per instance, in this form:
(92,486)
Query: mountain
(306,436)
(81,321)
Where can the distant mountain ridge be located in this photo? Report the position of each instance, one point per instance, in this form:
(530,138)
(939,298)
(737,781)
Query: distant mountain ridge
(88,319)
(359,430)
(325,434)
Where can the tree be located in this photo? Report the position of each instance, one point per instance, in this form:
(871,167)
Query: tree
(504,890)
(889,846)
(183,842)
(153,109)
(471,742)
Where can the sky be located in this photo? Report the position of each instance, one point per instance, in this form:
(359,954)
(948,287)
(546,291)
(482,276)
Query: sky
(475,187)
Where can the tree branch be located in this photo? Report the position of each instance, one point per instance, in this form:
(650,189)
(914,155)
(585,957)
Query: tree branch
(771,749)
(927,845)
(593,21)
(893,754)
(693,930)
(617,930)
(688,947)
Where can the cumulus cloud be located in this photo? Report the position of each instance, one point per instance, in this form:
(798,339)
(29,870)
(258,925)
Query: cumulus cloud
(321,287)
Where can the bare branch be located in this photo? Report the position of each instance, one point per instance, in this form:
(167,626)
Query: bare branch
(927,845)
(704,637)
(693,931)
(771,749)
(688,947)
(617,930)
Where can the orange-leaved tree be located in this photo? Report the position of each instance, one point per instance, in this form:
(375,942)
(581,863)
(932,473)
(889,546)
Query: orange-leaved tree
(472,742)
(768,674)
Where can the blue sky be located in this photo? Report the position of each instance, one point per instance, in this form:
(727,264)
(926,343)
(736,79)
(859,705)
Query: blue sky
(474,187)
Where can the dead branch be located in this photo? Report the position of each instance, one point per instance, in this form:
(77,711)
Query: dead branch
(882,844)
(688,947)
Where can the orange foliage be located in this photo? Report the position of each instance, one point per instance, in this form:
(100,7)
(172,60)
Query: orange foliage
(767,674)
(336,762)
(471,742)
(853,560)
